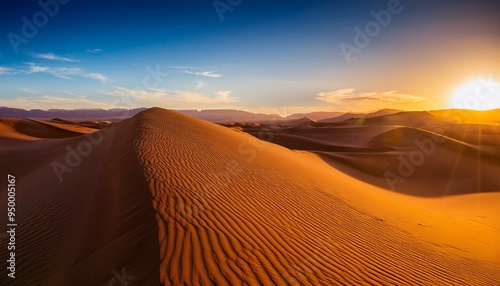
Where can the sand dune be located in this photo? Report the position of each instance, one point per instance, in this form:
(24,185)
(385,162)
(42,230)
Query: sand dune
(342,135)
(175,200)
(468,116)
(351,115)
(230,217)
(42,129)
(96,220)
(410,152)
(409,119)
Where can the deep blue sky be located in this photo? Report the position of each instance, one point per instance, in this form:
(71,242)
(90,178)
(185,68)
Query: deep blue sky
(270,56)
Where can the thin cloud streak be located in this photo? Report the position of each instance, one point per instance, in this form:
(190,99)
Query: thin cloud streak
(350,100)
(172,98)
(53,102)
(210,74)
(7,71)
(28,90)
(65,73)
(53,57)
(60,72)
(94,51)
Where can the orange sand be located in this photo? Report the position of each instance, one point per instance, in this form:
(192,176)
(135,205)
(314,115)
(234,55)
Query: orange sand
(175,200)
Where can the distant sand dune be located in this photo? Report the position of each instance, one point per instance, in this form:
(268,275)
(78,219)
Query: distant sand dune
(40,129)
(423,155)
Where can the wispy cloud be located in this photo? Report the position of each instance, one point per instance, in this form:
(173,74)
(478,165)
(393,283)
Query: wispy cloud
(191,70)
(96,76)
(7,71)
(173,98)
(210,74)
(53,57)
(94,51)
(183,67)
(289,110)
(28,90)
(60,72)
(223,96)
(65,73)
(53,102)
(349,100)
(141,94)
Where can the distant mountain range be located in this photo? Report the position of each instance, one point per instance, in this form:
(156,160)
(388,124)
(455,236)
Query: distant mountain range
(228,115)
(118,114)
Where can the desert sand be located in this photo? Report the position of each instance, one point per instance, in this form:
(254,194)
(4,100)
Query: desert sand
(173,200)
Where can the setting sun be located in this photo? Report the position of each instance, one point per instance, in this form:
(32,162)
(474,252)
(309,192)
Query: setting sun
(481,93)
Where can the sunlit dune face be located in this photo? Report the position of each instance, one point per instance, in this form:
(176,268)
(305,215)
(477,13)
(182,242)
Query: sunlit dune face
(480,94)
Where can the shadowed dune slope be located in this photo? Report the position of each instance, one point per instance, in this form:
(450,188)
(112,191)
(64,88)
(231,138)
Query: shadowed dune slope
(409,118)
(304,143)
(483,135)
(357,136)
(95,222)
(233,210)
(423,163)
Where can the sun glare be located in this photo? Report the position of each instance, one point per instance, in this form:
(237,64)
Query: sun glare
(480,94)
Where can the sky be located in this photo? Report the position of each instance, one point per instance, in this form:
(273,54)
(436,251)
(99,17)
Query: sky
(262,56)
